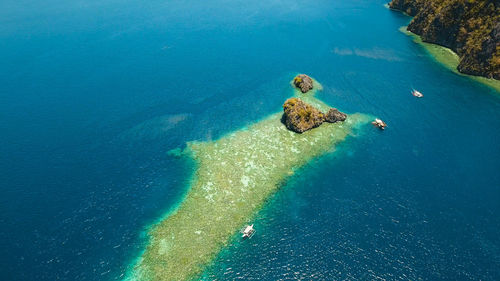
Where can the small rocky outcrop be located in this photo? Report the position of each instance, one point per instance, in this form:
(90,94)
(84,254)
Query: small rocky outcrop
(303,82)
(334,115)
(299,116)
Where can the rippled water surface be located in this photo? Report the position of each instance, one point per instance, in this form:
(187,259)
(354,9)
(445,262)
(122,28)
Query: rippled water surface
(95,93)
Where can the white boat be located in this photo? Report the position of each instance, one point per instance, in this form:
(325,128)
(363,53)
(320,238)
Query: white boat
(248,231)
(379,123)
(416,93)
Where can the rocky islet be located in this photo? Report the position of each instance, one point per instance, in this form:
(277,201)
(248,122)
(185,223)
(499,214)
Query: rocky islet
(303,82)
(299,116)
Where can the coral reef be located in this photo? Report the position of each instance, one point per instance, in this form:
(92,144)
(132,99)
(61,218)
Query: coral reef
(233,178)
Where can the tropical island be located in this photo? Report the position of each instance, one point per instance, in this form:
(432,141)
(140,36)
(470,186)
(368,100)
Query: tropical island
(470,28)
(235,175)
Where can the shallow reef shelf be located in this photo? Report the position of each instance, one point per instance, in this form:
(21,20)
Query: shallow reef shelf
(234,177)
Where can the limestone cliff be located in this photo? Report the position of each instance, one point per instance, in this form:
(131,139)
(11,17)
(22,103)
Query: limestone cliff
(471,28)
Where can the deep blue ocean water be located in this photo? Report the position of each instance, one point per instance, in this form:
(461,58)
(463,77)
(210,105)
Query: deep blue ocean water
(93,94)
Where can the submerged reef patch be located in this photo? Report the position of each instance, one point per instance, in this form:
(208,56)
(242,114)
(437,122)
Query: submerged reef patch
(234,177)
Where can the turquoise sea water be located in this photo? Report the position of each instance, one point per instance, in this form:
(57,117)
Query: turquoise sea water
(95,93)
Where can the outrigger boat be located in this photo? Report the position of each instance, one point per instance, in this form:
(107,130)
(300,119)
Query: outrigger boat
(248,231)
(379,123)
(416,93)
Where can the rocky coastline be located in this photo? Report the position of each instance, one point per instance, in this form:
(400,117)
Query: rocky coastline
(469,28)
